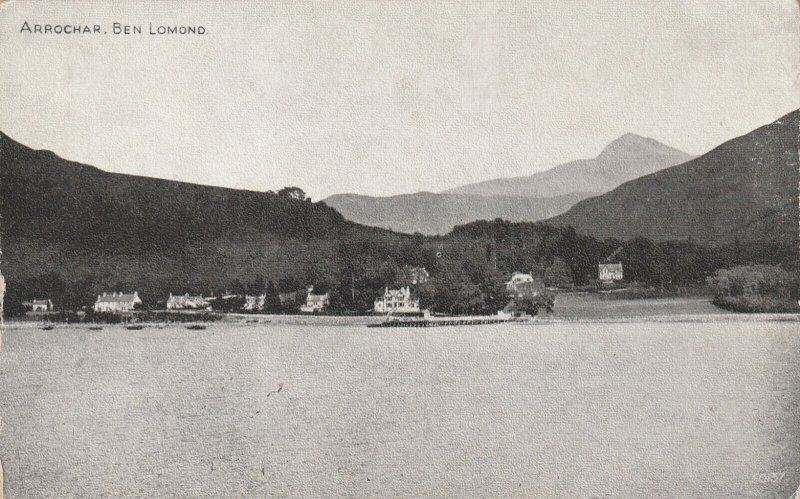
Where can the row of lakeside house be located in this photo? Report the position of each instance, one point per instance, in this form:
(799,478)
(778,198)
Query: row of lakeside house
(400,301)
(392,301)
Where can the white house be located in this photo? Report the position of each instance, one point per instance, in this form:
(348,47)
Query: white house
(254,303)
(609,272)
(518,278)
(315,303)
(397,301)
(186,302)
(38,305)
(117,302)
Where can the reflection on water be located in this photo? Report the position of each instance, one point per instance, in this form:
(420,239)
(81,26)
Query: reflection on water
(634,409)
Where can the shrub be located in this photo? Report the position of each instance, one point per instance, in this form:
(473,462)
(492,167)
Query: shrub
(532,304)
(103,317)
(755,288)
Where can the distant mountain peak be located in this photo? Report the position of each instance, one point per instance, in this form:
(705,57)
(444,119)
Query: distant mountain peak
(631,143)
(628,157)
(632,137)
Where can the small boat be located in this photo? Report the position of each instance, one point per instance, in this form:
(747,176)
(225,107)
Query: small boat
(195,326)
(135,327)
(95,328)
(48,327)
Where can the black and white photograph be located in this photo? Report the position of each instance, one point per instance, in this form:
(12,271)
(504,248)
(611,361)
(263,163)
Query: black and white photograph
(374,248)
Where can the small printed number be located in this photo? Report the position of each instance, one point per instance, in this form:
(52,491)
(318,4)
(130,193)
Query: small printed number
(769,477)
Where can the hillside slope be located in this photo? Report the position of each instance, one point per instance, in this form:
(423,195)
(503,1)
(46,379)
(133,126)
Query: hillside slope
(126,232)
(745,189)
(626,158)
(431,213)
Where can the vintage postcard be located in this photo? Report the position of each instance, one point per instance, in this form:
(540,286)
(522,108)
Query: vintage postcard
(372,248)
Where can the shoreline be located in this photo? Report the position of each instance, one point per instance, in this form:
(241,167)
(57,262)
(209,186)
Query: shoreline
(576,309)
(364,321)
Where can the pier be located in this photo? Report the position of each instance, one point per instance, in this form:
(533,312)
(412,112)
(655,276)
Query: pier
(444,321)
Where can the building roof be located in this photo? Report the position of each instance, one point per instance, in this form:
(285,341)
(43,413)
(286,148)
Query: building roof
(40,302)
(518,276)
(118,297)
(184,298)
(610,266)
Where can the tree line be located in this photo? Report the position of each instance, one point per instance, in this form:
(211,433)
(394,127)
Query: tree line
(468,268)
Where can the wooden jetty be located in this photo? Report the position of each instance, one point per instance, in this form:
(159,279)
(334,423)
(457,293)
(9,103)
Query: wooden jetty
(441,321)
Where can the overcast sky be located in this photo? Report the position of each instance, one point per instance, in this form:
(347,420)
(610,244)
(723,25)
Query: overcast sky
(388,97)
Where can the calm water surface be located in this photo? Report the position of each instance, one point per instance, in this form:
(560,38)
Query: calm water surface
(629,410)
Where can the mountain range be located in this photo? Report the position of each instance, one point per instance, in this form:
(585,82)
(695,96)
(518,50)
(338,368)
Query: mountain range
(746,189)
(626,158)
(107,231)
(521,199)
(434,213)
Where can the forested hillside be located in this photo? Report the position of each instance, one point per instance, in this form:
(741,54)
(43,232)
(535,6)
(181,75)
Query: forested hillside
(71,231)
(98,231)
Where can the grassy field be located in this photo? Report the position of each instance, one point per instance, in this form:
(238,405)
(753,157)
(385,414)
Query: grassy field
(592,306)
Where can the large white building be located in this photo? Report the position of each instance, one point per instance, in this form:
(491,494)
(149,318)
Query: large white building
(38,305)
(518,278)
(315,303)
(397,301)
(178,302)
(254,303)
(117,302)
(609,272)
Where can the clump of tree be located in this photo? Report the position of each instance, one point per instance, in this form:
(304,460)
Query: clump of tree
(558,274)
(272,300)
(65,295)
(458,287)
(668,266)
(532,305)
(293,193)
(531,300)
(233,303)
(12,305)
(756,288)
